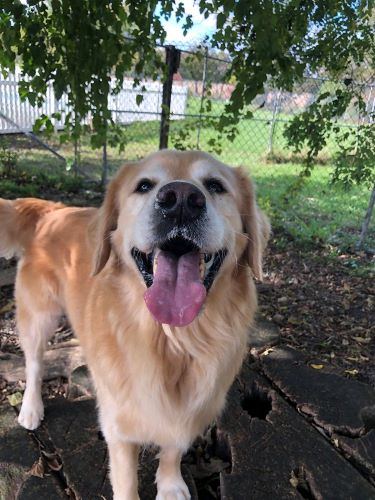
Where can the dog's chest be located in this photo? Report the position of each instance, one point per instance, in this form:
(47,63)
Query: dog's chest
(155,410)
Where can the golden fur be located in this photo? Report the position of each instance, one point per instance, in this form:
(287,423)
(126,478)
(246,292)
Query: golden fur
(155,383)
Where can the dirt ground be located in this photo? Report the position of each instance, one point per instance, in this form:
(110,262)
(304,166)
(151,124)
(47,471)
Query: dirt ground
(322,308)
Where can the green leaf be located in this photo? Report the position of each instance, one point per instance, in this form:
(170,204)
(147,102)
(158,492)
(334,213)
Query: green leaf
(69,164)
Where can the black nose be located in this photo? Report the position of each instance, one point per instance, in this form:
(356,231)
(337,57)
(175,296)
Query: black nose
(181,201)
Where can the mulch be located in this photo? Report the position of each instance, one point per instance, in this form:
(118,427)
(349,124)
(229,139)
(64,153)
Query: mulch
(322,307)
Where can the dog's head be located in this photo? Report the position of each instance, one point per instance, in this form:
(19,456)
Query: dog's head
(179,219)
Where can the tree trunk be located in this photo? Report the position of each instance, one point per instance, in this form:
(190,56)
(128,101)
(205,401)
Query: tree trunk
(104,165)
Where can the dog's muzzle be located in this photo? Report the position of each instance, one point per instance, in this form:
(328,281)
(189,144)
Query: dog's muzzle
(178,272)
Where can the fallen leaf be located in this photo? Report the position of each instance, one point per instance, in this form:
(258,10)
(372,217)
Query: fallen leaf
(294,480)
(362,340)
(15,398)
(38,468)
(8,307)
(267,351)
(352,373)
(317,367)
(53,460)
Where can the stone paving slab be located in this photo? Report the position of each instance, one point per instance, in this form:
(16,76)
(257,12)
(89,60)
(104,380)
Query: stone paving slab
(333,402)
(58,362)
(74,431)
(288,431)
(41,488)
(342,408)
(70,433)
(8,276)
(263,335)
(277,453)
(19,457)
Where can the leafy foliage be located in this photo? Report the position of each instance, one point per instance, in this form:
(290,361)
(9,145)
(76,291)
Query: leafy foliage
(192,63)
(79,46)
(277,43)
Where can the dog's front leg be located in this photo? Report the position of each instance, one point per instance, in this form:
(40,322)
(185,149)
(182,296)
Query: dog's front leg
(123,463)
(170,484)
(35,328)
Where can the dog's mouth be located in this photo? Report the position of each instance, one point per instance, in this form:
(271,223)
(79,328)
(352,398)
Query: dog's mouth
(178,275)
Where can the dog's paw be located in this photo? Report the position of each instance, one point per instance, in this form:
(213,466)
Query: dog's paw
(31,414)
(173,491)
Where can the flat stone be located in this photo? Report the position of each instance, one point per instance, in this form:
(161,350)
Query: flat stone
(276,453)
(57,363)
(263,335)
(74,432)
(45,488)
(361,451)
(8,276)
(333,402)
(12,477)
(344,408)
(18,454)
(80,383)
(16,445)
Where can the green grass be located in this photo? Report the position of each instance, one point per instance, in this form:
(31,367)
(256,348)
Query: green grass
(258,134)
(319,213)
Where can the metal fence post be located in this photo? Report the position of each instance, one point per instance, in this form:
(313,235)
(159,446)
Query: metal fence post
(172,60)
(275,112)
(204,77)
(104,165)
(366,221)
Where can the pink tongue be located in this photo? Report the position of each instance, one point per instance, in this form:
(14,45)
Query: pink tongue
(177,294)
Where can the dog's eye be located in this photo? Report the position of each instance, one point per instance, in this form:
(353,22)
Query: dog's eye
(144,186)
(214,186)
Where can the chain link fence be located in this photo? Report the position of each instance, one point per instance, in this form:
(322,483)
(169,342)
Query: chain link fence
(202,75)
(195,76)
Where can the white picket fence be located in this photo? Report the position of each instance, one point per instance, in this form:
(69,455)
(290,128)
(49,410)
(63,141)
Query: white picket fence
(125,110)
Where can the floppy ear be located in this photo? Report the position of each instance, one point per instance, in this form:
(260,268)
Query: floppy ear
(105,223)
(255,224)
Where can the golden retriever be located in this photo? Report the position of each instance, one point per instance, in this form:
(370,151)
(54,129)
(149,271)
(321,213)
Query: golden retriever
(158,287)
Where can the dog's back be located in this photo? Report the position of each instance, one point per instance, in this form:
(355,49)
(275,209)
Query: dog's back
(18,221)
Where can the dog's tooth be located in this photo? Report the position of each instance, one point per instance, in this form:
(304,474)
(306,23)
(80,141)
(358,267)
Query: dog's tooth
(210,262)
(202,266)
(155,263)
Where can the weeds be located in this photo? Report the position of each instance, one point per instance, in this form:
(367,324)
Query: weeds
(8,159)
